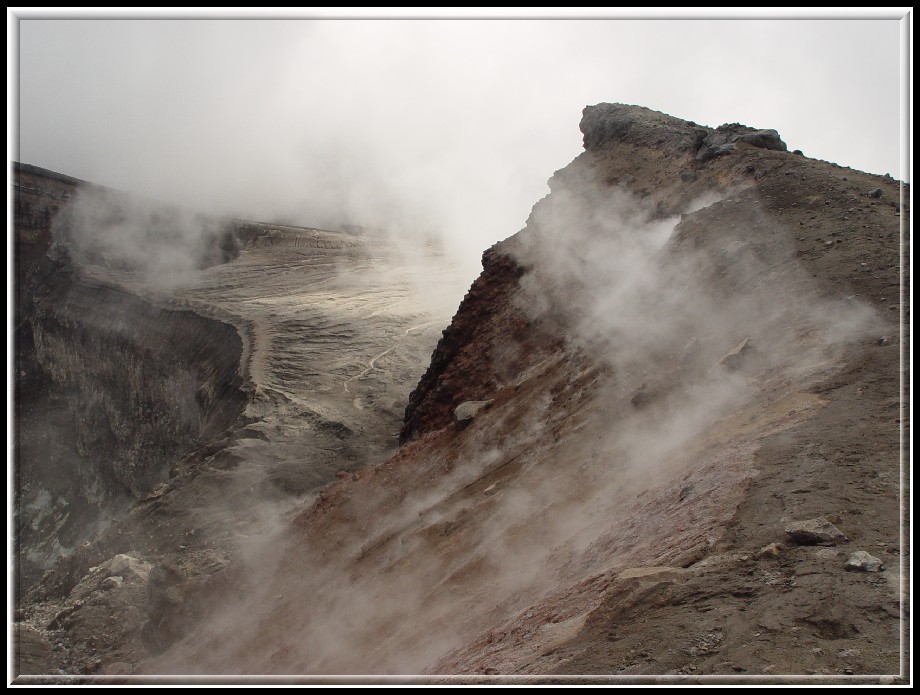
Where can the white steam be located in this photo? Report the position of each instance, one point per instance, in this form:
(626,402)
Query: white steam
(159,243)
(580,467)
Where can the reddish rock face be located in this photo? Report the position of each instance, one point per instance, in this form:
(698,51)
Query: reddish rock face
(469,362)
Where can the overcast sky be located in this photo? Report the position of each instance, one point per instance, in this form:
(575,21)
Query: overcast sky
(448,126)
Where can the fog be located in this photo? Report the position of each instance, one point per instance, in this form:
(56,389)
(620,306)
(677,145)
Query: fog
(160,244)
(421,127)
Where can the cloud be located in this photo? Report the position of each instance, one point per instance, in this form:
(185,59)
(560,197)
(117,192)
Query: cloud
(424,127)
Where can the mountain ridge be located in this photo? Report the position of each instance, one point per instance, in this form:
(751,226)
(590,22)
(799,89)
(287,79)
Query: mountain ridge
(683,355)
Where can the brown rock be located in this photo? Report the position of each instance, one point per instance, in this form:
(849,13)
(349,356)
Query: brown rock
(818,531)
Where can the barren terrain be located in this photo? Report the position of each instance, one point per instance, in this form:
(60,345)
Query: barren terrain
(694,346)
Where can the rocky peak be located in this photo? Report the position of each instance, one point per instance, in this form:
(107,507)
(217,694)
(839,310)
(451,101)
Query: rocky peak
(604,124)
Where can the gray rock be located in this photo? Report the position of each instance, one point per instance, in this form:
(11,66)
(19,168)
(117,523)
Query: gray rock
(602,124)
(861,561)
(875,193)
(818,531)
(708,152)
(467,411)
(723,140)
(767,139)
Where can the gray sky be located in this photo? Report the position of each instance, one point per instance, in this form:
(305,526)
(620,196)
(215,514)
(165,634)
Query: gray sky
(450,127)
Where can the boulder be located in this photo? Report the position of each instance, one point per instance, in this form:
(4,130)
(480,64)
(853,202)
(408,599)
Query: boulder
(818,531)
(723,140)
(861,561)
(467,411)
(767,139)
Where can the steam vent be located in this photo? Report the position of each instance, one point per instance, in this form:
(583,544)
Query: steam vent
(238,448)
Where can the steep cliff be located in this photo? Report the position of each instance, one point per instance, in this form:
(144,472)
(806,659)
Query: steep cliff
(111,389)
(129,389)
